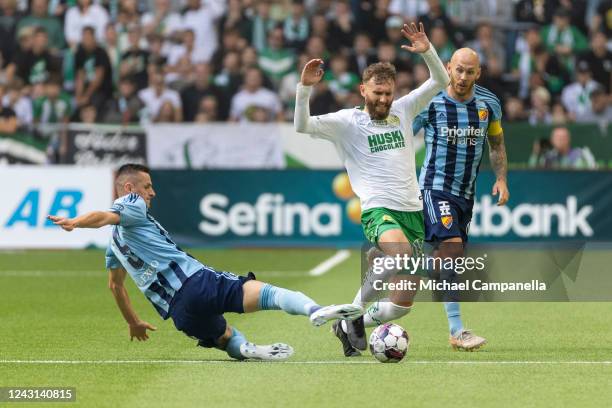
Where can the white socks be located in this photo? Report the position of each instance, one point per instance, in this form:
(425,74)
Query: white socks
(383,311)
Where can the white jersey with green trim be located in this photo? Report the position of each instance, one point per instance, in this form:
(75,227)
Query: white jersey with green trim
(378,155)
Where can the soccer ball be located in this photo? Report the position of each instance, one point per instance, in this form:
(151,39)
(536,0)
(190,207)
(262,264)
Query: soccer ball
(389,343)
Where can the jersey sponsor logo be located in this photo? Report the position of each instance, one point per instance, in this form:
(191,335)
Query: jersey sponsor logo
(462,136)
(268,215)
(386,141)
(483,114)
(444,208)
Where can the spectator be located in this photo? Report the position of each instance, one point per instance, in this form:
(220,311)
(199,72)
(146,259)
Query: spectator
(439,39)
(551,71)
(135,60)
(601,110)
(599,59)
(126,108)
(522,64)
(559,115)
(8,118)
(19,102)
(387,52)
(577,10)
(162,20)
(514,110)
(128,17)
(84,14)
(38,64)
(320,28)
(54,106)
(563,155)
(41,18)
(236,19)
(194,93)
(230,42)
(262,24)
(315,48)
(88,114)
(275,60)
(201,18)
(576,96)
(208,110)
(252,95)
(487,46)
(288,85)
(395,37)
(25,38)
(156,55)
(9,17)
(296,26)
(93,84)
(182,58)
(534,11)
(322,100)
(156,94)
(375,17)
(421,74)
(361,54)
(229,79)
(111,45)
(249,58)
(564,39)
(540,107)
(166,113)
(342,26)
(602,21)
(340,81)
(436,17)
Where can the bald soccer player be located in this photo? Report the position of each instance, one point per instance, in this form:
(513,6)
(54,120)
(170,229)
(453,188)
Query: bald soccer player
(458,123)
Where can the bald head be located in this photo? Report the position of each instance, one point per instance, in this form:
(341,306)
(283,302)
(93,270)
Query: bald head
(466,56)
(464,70)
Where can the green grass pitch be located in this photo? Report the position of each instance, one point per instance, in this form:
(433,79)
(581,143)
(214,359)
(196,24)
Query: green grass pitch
(59,326)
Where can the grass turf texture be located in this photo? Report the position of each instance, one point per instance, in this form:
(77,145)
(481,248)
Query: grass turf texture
(55,306)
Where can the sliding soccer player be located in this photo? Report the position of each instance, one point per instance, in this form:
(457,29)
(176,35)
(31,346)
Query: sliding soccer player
(194,295)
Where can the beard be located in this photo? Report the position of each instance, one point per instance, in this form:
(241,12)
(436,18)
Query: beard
(464,90)
(377,111)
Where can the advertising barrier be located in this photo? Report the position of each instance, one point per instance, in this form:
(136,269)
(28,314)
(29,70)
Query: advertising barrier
(318,208)
(30,193)
(99,145)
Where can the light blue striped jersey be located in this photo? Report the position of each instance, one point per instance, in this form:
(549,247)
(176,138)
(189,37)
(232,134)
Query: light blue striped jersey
(455,138)
(143,247)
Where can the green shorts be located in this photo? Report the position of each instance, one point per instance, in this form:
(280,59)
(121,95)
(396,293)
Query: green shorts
(377,220)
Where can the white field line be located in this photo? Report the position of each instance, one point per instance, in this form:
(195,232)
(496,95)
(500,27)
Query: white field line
(102,273)
(331,262)
(338,362)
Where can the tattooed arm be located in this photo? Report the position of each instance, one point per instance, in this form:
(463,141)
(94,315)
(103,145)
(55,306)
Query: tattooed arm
(499,164)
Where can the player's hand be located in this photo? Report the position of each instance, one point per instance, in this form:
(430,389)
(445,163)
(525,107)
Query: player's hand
(67,224)
(312,72)
(500,187)
(418,38)
(139,330)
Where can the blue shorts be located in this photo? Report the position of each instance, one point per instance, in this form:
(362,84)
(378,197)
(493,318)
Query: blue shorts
(197,309)
(446,216)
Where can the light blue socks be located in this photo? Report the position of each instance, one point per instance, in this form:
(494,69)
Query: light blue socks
(295,303)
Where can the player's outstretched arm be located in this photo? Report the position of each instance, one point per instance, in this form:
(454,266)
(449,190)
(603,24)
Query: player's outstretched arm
(499,164)
(418,99)
(311,75)
(138,328)
(94,219)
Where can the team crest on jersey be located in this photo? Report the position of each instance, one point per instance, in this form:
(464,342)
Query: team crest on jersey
(393,120)
(483,114)
(447,221)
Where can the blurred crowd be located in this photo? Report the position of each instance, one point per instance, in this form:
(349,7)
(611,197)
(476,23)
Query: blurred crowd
(139,61)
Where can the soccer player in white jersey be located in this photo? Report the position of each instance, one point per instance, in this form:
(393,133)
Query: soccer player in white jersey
(193,294)
(376,146)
